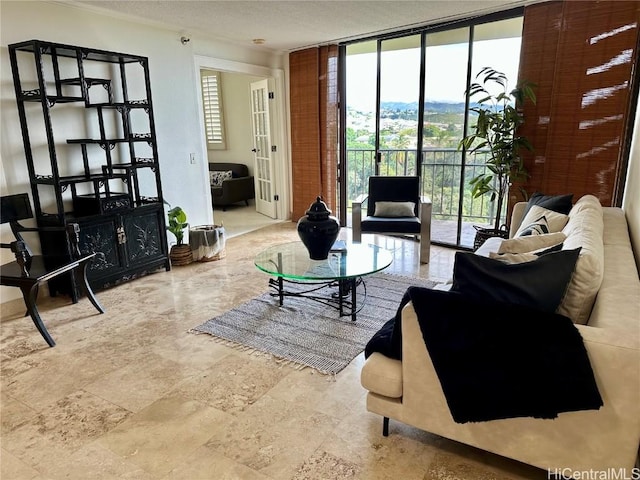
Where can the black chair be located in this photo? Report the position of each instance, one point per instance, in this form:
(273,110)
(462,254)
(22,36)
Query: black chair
(30,271)
(238,188)
(394,207)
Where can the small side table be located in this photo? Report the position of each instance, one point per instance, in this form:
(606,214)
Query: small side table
(207,242)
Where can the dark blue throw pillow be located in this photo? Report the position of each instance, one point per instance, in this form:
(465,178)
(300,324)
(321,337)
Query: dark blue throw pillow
(557,203)
(539,284)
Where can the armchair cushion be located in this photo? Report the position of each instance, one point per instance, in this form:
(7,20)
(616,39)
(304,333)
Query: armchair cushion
(385,380)
(406,225)
(394,209)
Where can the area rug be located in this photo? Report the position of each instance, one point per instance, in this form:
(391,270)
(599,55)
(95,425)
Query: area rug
(309,333)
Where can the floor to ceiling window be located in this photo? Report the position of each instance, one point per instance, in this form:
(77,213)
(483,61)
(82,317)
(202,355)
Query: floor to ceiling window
(446,73)
(399,100)
(361,114)
(406,111)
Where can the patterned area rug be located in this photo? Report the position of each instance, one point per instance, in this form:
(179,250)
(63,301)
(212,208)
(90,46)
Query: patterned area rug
(309,333)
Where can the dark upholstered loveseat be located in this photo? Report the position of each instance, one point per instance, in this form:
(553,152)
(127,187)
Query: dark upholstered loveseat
(238,188)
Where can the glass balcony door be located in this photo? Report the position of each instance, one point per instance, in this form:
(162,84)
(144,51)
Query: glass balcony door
(361,91)
(446,58)
(406,112)
(398,106)
(382,128)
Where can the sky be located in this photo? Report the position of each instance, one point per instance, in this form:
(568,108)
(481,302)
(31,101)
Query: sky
(446,67)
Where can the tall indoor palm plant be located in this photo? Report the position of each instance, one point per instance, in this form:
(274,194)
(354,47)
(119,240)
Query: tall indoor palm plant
(499,116)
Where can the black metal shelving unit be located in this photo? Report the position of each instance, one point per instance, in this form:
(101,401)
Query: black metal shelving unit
(104,172)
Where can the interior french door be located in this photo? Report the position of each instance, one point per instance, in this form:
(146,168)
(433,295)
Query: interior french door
(262,149)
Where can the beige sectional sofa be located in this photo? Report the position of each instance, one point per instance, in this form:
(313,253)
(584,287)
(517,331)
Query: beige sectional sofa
(409,390)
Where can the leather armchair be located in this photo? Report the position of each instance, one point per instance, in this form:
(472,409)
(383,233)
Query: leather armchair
(239,188)
(394,190)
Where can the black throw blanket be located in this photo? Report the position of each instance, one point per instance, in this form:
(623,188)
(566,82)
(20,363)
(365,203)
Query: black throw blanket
(497,360)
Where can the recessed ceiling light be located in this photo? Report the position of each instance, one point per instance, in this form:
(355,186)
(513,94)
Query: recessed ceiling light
(258,41)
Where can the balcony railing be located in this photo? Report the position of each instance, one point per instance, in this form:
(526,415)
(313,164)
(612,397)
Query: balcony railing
(441,170)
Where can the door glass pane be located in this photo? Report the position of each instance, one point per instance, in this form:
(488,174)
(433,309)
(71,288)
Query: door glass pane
(446,64)
(399,96)
(495,45)
(361,77)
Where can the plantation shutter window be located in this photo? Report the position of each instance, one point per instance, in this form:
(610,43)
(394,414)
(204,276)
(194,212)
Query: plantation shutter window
(213,113)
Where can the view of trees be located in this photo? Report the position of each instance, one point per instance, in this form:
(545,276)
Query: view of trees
(443,125)
(443,129)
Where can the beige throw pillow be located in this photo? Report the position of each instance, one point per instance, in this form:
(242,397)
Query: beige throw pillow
(531,242)
(584,229)
(512,258)
(540,221)
(395,209)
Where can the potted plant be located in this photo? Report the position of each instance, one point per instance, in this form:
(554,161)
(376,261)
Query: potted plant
(180,253)
(499,116)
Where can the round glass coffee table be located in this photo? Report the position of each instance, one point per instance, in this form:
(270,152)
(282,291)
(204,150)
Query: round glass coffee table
(341,274)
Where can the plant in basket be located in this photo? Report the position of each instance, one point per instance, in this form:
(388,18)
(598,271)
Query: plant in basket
(499,116)
(180,254)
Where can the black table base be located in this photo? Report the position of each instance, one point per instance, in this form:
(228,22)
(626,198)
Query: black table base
(343,296)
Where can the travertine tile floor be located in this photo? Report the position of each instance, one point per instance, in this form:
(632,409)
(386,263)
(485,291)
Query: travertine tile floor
(131,394)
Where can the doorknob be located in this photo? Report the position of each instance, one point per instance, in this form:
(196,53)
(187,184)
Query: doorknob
(255,150)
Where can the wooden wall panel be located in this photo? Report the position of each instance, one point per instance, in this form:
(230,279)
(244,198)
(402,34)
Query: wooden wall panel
(585,90)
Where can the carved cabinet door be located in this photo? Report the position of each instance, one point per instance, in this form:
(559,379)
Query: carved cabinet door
(102,238)
(143,231)
(127,245)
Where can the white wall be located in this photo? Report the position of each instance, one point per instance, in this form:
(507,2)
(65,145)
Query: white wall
(173,86)
(236,101)
(631,203)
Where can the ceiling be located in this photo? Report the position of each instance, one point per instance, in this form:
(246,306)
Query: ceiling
(291,25)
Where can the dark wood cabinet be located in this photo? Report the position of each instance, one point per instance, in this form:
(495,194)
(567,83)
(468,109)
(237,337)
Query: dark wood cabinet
(90,145)
(101,236)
